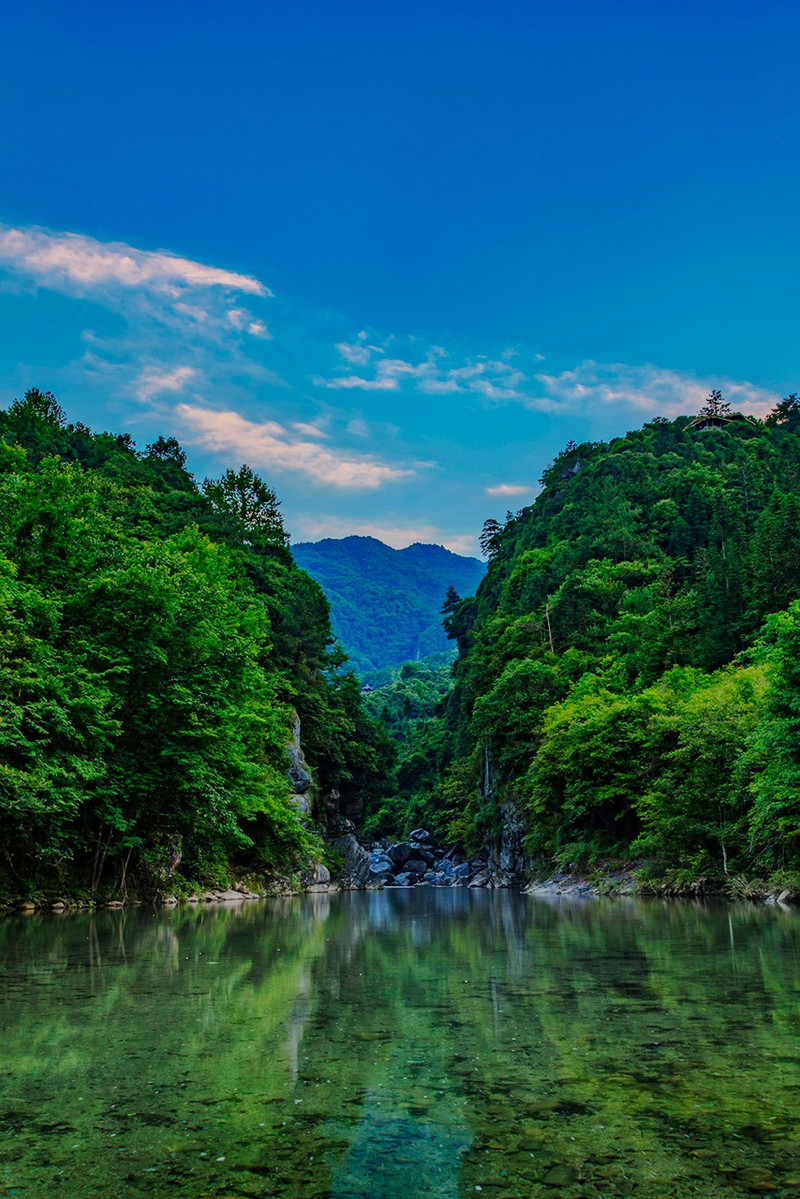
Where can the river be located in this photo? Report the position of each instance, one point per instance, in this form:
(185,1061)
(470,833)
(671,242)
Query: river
(402,1044)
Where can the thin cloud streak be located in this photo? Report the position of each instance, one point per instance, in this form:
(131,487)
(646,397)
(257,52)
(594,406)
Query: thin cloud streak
(593,387)
(491,379)
(152,383)
(269,446)
(78,264)
(590,389)
(510,489)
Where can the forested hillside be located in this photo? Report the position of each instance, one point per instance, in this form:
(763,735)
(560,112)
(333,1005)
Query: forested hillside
(629,672)
(157,641)
(386,603)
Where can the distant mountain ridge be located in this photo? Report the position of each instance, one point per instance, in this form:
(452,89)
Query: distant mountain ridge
(386,603)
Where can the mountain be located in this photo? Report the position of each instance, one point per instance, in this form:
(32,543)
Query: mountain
(386,603)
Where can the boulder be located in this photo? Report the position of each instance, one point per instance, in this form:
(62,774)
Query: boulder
(421,836)
(316,875)
(406,879)
(481,879)
(416,865)
(401,852)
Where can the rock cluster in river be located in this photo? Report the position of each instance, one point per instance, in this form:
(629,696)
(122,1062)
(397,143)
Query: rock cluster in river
(421,861)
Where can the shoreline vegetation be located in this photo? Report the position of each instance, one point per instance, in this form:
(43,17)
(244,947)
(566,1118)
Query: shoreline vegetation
(177,720)
(558,886)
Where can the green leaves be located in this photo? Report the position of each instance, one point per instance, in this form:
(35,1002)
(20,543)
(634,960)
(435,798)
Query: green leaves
(603,670)
(154,645)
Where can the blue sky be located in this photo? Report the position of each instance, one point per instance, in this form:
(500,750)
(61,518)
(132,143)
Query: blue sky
(395,255)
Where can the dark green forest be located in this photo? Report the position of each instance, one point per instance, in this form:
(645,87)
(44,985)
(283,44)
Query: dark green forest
(157,644)
(628,674)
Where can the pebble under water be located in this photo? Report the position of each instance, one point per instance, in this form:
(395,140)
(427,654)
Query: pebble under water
(399,1044)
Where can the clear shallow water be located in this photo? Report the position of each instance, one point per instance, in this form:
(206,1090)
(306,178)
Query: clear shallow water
(402,1044)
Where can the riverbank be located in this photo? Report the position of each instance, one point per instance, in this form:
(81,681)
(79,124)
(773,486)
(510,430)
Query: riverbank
(638,880)
(420,862)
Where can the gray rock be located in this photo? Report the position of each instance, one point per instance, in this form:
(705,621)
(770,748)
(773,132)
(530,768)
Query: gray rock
(356,859)
(481,879)
(406,879)
(417,865)
(316,874)
(460,871)
(377,878)
(401,852)
(421,836)
(299,773)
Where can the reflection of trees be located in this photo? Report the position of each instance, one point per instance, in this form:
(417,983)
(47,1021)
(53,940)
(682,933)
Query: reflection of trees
(308,1040)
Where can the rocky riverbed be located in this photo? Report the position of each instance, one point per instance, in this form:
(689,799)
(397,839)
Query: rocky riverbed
(421,861)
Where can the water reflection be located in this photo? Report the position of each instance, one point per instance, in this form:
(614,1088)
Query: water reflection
(402,1042)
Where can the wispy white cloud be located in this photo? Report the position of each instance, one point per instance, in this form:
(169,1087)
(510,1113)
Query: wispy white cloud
(647,390)
(491,379)
(347,382)
(309,429)
(80,264)
(398,536)
(509,489)
(177,322)
(359,352)
(151,383)
(245,322)
(591,388)
(270,446)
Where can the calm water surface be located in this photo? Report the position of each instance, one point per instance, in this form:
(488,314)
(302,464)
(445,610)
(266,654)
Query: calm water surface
(402,1044)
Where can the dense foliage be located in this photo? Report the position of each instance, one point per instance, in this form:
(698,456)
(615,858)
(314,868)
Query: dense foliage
(157,641)
(384,602)
(410,701)
(629,670)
